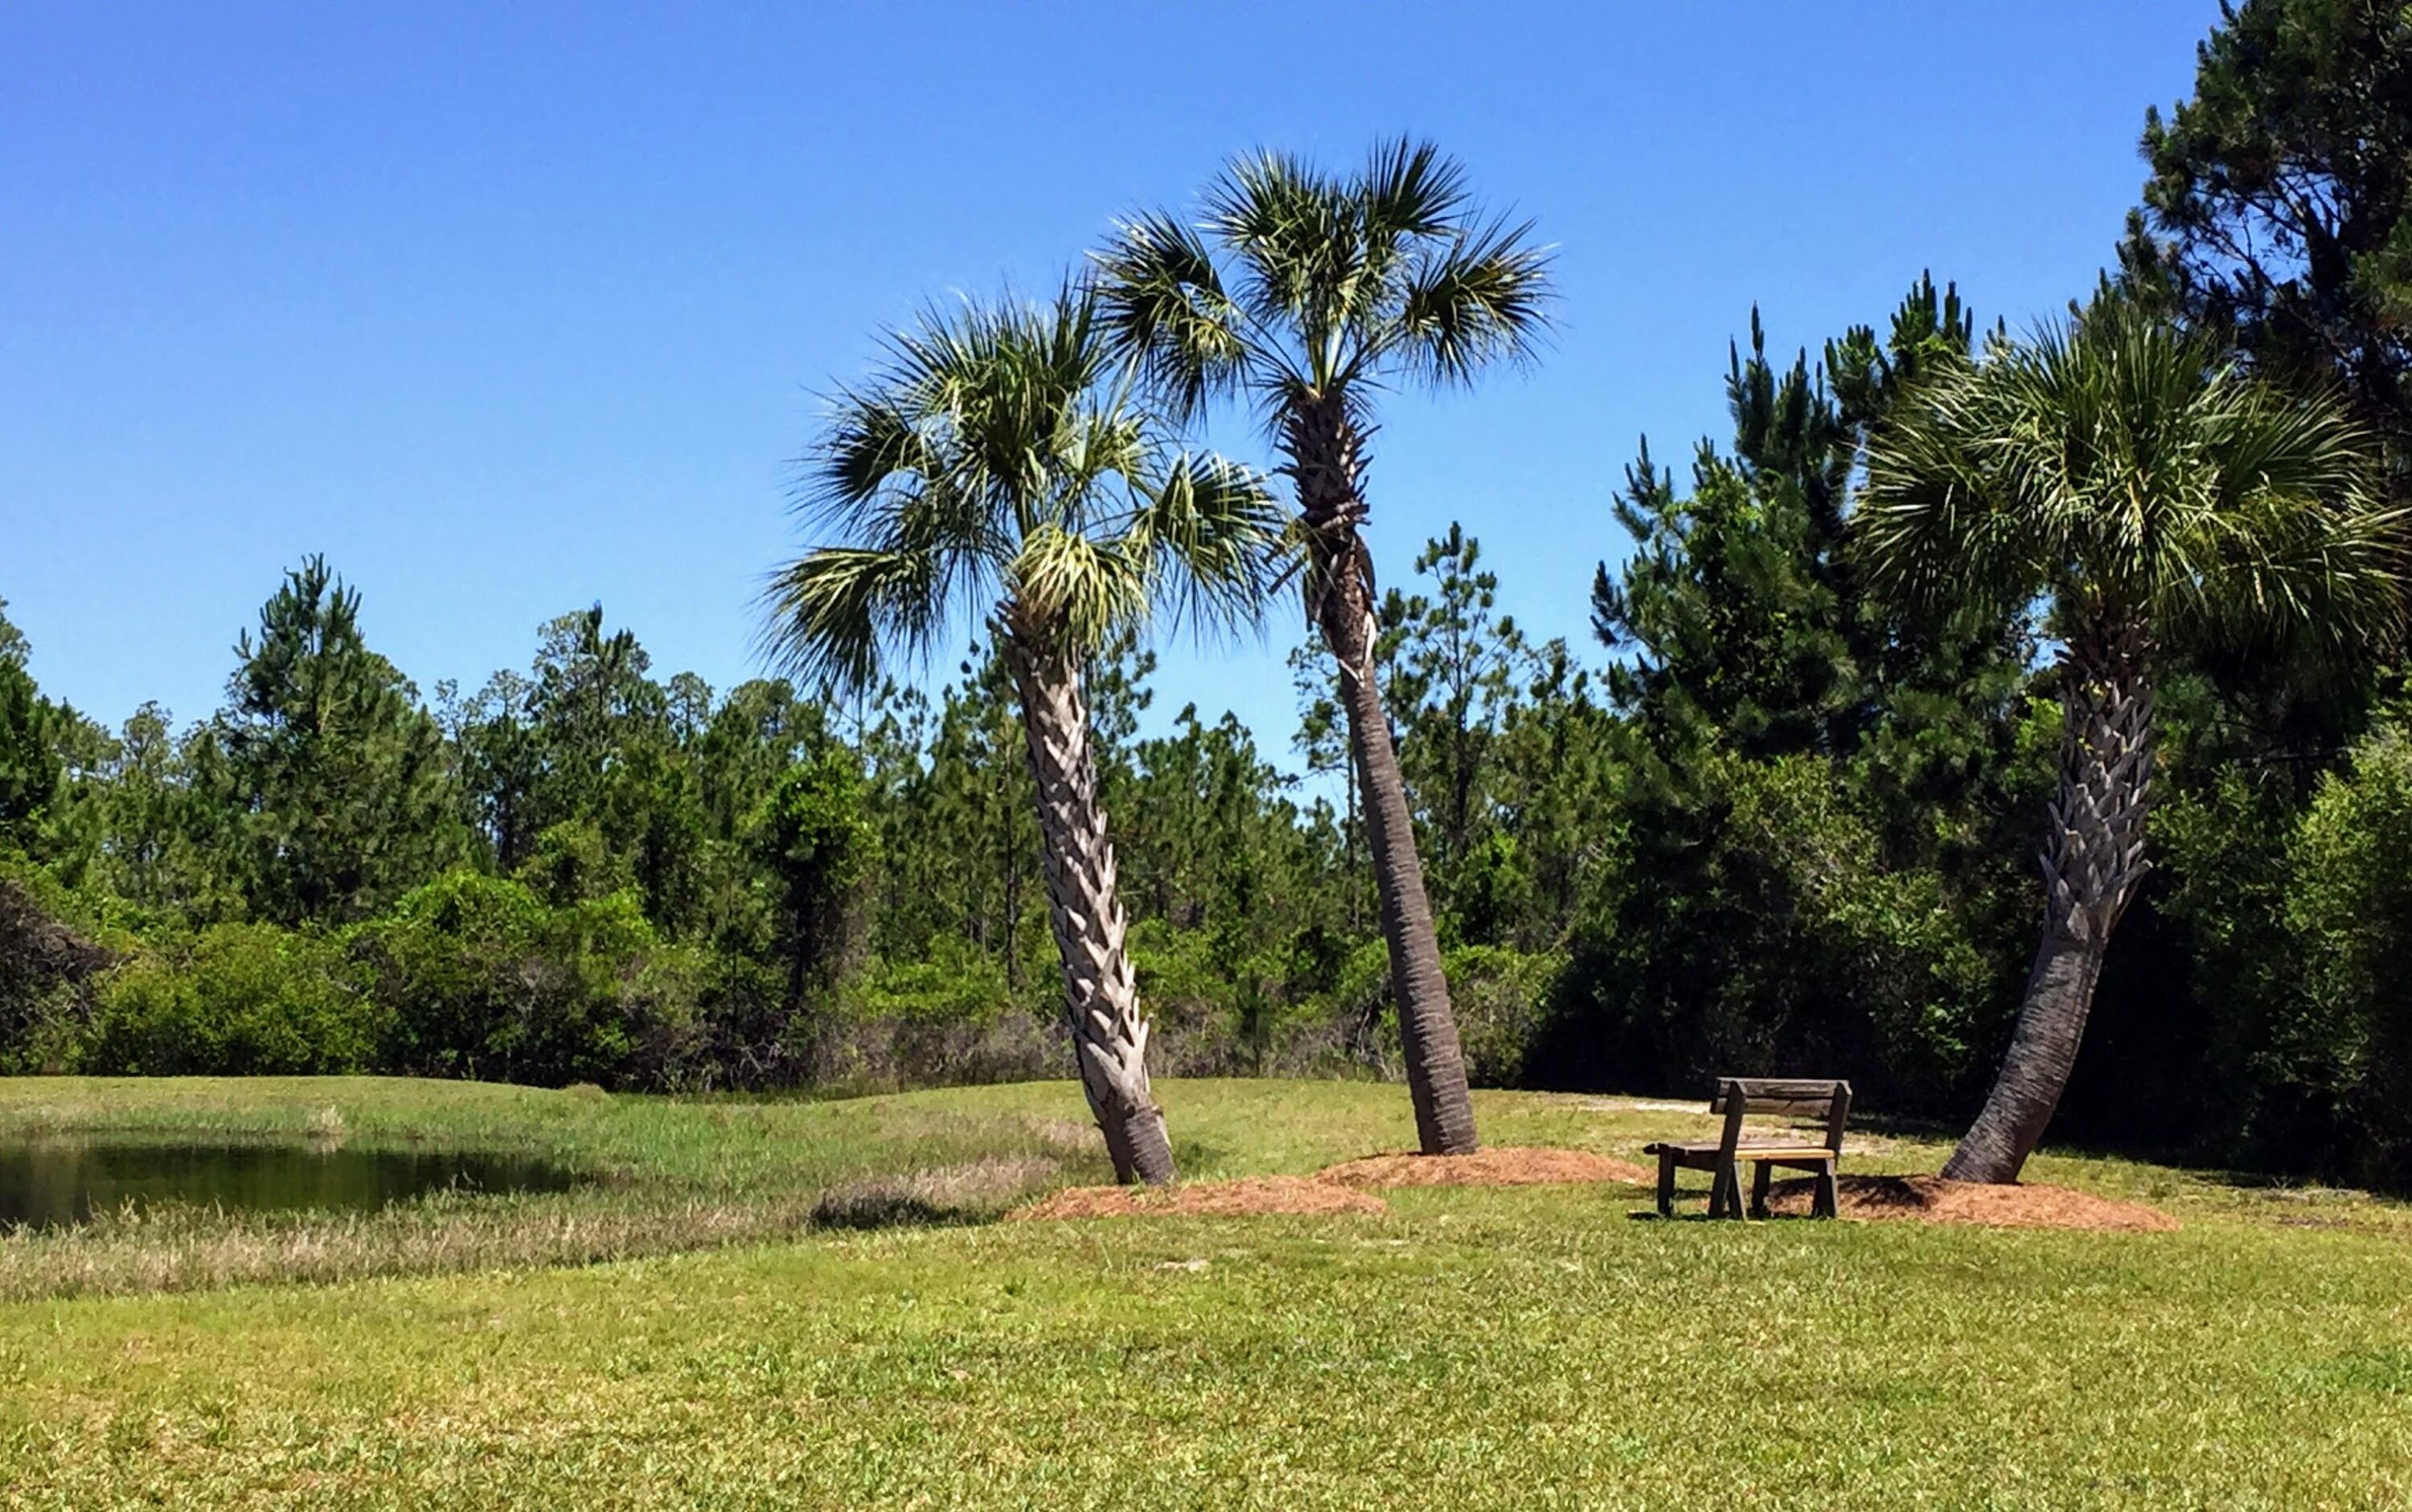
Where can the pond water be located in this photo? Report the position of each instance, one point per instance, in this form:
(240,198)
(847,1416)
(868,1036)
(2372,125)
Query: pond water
(54,1183)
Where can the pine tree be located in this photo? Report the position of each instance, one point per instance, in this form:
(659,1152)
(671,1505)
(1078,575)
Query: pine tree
(2283,191)
(339,775)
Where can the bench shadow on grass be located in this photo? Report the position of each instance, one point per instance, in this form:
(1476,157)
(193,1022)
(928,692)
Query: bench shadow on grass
(1692,1207)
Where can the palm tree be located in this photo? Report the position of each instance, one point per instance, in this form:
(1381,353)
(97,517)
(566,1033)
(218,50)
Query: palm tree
(2147,492)
(994,468)
(1310,293)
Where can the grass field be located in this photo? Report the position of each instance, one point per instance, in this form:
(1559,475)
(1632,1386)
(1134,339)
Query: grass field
(1473,1348)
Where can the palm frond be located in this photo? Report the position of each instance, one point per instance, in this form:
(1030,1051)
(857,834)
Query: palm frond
(1162,303)
(829,615)
(2288,540)
(1411,189)
(867,440)
(2284,571)
(1213,531)
(1081,590)
(1933,530)
(1289,229)
(1099,446)
(1483,299)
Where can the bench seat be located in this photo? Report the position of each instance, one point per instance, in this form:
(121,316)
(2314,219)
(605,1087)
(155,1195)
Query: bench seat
(1747,1151)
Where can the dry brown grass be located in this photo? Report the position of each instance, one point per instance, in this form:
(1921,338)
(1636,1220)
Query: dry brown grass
(1066,1137)
(190,1249)
(941,1195)
(185,1249)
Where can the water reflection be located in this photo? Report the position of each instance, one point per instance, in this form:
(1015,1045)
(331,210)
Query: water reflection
(54,1183)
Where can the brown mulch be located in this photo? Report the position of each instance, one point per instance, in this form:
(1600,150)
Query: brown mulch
(1485,1167)
(1931,1199)
(1247,1196)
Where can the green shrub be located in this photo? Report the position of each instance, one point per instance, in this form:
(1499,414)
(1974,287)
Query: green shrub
(955,982)
(1768,931)
(239,1000)
(2269,1085)
(50,961)
(2293,930)
(2351,910)
(570,861)
(482,978)
(1499,996)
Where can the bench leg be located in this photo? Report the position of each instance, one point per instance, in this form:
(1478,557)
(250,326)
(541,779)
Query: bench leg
(1759,1178)
(1724,1193)
(1666,1183)
(1828,1203)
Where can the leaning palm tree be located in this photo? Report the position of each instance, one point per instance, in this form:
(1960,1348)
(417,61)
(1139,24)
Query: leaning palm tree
(2147,492)
(996,469)
(1309,293)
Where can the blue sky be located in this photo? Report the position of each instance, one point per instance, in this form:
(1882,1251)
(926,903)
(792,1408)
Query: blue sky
(510,308)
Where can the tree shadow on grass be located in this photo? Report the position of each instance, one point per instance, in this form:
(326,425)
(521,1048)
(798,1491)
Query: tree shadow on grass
(883,1204)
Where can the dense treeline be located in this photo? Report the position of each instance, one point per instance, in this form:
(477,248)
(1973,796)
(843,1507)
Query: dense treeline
(1770,820)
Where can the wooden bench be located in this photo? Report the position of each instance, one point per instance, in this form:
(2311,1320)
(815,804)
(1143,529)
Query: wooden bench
(1828,1103)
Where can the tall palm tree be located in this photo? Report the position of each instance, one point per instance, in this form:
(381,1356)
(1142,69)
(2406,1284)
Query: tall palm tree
(2147,491)
(1310,293)
(995,467)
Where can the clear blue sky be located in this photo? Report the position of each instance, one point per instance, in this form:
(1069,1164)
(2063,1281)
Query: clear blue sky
(510,308)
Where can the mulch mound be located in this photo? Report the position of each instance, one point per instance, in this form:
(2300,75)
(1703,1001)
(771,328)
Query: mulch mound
(1486,1168)
(1933,1200)
(1249,1196)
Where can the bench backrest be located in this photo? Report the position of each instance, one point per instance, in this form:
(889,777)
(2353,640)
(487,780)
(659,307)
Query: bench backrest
(1812,1101)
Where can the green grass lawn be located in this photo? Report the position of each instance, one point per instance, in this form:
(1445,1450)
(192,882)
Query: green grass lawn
(1473,1348)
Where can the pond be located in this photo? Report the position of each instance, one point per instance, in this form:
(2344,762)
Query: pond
(56,1183)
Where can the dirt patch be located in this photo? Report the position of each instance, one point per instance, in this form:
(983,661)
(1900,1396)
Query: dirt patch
(1931,1199)
(1486,1168)
(1249,1196)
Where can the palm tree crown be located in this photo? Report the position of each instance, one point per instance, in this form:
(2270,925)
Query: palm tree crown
(995,458)
(1327,285)
(2121,467)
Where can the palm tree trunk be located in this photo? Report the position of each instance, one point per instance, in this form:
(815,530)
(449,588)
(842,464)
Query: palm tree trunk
(1349,843)
(1324,462)
(2094,861)
(1100,998)
(1011,921)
